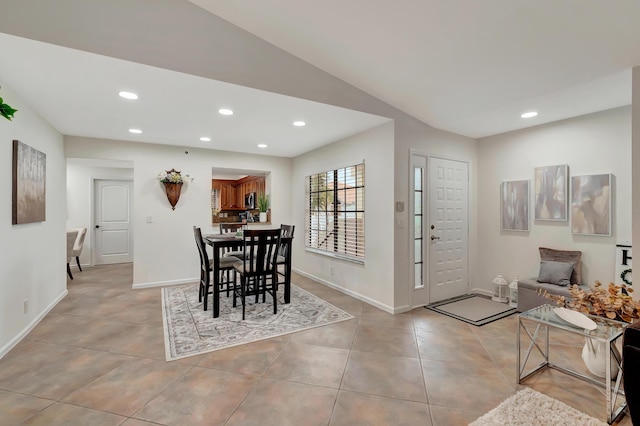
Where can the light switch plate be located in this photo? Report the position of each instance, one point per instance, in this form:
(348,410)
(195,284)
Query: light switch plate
(399,206)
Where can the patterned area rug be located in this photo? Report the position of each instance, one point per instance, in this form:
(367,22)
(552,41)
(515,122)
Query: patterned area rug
(189,331)
(529,407)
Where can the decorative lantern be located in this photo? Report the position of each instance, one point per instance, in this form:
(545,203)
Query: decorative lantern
(513,292)
(500,289)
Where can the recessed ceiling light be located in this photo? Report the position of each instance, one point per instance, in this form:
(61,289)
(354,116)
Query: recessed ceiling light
(225,111)
(262,145)
(128,95)
(205,139)
(299,123)
(530,114)
(135,131)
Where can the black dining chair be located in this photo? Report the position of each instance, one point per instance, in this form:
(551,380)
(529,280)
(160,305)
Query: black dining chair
(228,228)
(284,255)
(206,266)
(258,269)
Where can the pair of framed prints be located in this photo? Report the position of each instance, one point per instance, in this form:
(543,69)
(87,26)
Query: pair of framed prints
(585,199)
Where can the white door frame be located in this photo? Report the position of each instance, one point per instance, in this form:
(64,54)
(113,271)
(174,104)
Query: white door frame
(421,296)
(93,214)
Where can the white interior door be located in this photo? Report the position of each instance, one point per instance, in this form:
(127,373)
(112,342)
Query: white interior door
(448,230)
(113,211)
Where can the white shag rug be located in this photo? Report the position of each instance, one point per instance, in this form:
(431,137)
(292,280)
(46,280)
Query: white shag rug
(528,407)
(189,331)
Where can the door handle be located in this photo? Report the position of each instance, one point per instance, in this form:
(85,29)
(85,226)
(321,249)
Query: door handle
(433,237)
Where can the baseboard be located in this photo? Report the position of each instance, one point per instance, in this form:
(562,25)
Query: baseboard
(13,342)
(353,294)
(75,266)
(482,291)
(165,283)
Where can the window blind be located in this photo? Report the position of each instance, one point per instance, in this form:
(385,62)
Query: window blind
(335,211)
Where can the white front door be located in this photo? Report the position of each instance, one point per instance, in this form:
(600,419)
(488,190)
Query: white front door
(113,210)
(447,233)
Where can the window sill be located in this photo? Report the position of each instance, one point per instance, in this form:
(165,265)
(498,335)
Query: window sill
(336,256)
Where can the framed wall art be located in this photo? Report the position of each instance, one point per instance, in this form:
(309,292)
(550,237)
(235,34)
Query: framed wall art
(514,205)
(591,204)
(28,184)
(551,193)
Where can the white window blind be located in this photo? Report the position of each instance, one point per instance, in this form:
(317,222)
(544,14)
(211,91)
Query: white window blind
(335,211)
(215,199)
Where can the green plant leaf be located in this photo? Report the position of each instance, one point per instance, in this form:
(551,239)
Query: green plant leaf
(6,111)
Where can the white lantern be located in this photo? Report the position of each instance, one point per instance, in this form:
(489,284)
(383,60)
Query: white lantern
(500,289)
(513,293)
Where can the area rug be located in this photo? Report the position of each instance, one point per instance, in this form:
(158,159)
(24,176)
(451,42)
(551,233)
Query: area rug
(189,331)
(473,309)
(528,407)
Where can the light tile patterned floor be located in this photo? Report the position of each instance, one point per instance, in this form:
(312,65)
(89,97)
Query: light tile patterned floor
(98,359)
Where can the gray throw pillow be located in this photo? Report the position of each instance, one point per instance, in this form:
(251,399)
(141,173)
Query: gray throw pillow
(558,273)
(565,256)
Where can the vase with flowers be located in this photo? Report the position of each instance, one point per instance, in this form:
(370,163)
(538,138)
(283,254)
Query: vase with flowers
(613,302)
(173,180)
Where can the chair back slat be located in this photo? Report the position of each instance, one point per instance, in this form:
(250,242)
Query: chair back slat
(226,228)
(260,247)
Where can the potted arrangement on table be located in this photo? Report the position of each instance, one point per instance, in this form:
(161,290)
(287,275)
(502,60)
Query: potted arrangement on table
(613,302)
(263,206)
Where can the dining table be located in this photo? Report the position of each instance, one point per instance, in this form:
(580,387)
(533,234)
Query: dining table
(222,243)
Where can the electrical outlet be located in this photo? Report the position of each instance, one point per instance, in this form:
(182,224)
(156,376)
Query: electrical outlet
(26,305)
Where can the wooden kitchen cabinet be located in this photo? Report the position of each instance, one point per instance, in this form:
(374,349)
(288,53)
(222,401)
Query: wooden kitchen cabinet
(232,192)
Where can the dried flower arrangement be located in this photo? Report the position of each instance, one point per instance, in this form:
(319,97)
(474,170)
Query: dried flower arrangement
(613,302)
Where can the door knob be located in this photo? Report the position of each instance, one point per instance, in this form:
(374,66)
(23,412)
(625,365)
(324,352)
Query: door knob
(97,226)
(433,237)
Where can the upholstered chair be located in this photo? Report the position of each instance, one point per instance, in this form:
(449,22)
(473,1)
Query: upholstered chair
(71,240)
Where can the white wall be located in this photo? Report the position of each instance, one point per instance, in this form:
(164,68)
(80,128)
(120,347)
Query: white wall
(636,159)
(79,193)
(591,144)
(164,251)
(32,265)
(373,281)
(413,137)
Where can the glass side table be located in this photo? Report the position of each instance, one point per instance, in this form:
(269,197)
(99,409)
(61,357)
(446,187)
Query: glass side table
(607,332)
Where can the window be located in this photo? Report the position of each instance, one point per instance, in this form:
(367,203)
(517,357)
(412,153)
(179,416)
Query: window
(335,212)
(215,199)
(418,222)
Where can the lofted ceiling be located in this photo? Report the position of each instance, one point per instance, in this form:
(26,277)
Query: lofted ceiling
(467,66)
(77,92)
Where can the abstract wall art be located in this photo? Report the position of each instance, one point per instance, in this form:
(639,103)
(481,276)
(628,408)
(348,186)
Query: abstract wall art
(514,205)
(591,204)
(29,177)
(551,193)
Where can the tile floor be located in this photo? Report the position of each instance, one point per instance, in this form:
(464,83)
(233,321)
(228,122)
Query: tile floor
(98,359)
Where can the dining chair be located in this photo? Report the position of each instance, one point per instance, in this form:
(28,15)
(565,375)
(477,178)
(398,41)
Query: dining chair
(227,228)
(78,245)
(284,255)
(206,267)
(71,239)
(258,272)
